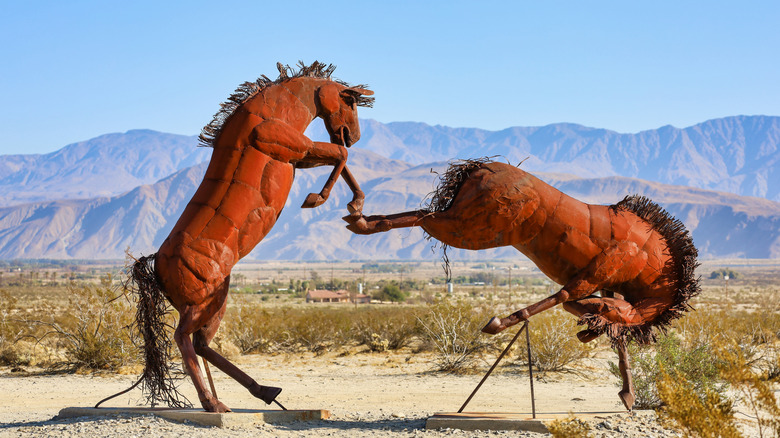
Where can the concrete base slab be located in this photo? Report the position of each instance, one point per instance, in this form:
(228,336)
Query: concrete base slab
(504,420)
(239,417)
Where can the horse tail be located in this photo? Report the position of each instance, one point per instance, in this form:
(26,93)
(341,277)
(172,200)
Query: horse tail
(449,185)
(157,384)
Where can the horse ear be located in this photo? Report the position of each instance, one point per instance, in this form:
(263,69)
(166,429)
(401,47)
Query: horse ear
(359,90)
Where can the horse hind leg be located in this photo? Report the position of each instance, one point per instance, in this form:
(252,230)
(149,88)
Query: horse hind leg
(381,223)
(201,340)
(190,319)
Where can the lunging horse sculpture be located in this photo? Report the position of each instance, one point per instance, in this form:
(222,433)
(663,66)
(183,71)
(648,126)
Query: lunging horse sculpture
(640,258)
(258,143)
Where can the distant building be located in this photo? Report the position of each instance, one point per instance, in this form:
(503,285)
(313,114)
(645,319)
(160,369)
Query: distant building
(339,296)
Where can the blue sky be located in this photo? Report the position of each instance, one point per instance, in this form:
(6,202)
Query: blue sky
(77,69)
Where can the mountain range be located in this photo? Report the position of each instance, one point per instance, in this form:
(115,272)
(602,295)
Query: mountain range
(94,199)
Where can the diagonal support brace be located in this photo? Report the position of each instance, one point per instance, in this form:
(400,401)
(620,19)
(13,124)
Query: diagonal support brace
(500,357)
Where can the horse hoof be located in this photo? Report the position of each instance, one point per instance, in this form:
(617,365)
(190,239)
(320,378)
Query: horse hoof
(355,207)
(587,335)
(265,393)
(493,326)
(628,399)
(313,200)
(214,405)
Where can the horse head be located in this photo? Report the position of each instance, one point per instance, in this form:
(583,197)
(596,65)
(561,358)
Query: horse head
(337,107)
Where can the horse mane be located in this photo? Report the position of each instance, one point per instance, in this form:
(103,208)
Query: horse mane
(247,90)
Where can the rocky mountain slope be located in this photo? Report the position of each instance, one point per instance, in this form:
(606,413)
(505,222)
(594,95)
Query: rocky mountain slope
(738,154)
(96,198)
(103,166)
(723,224)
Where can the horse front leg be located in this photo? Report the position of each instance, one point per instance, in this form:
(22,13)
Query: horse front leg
(317,199)
(626,394)
(355,207)
(622,261)
(572,291)
(332,154)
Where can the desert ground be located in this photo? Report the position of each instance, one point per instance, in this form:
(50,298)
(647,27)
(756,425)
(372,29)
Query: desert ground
(373,394)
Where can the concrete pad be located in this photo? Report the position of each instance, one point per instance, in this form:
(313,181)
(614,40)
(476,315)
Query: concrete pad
(239,417)
(504,420)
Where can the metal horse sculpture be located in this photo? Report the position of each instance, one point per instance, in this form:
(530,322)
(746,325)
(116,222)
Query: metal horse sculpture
(638,256)
(258,143)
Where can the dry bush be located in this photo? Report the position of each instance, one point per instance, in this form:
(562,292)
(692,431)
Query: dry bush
(670,354)
(452,329)
(95,331)
(11,331)
(554,343)
(700,414)
(709,414)
(755,392)
(569,427)
(756,334)
(252,328)
(317,330)
(388,328)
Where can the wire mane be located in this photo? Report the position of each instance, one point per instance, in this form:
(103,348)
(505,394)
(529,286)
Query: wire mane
(247,90)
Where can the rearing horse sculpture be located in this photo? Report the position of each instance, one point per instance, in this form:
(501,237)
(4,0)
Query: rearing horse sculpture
(258,143)
(638,256)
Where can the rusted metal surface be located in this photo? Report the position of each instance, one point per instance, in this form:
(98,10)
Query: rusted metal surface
(639,258)
(258,143)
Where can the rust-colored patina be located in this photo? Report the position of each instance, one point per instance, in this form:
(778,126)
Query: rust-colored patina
(258,143)
(636,255)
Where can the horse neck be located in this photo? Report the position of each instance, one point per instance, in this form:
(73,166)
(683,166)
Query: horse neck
(291,101)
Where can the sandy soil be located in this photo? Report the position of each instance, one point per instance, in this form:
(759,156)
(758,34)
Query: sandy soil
(374,395)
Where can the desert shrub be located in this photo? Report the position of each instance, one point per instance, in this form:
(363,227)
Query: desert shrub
(317,330)
(452,330)
(697,413)
(554,344)
(755,333)
(755,393)
(95,330)
(670,354)
(385,328)
(570,427)
(709,414)
(252,328)
(12,330)
(770,365)
(255,329)
(9,330)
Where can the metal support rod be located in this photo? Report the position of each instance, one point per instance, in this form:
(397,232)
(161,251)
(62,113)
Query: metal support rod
(208,374)
(530,371)
(494,366)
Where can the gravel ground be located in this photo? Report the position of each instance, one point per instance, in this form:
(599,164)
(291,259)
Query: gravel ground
(362,424)
(368,395)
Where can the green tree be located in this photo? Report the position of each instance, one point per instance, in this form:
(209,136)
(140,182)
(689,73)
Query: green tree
(391,292)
